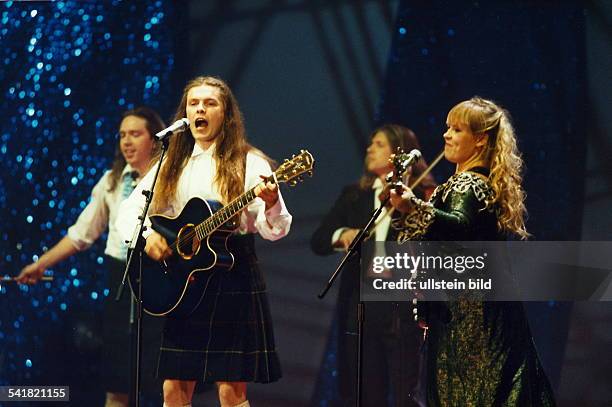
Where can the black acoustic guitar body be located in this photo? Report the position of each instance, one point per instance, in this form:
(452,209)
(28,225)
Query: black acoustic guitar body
(177,285)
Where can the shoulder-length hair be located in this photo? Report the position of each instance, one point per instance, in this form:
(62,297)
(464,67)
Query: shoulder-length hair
(153,124)
(404,138)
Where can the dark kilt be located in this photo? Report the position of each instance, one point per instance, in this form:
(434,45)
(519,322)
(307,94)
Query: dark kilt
(117,339)
(229,337)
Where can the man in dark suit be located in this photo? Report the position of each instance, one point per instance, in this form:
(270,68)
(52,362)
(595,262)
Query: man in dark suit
(392,339)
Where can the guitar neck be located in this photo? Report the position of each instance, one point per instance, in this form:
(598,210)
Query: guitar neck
(226,213)
(289,171)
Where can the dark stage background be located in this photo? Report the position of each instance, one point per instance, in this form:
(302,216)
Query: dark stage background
(529,58)
(308,74)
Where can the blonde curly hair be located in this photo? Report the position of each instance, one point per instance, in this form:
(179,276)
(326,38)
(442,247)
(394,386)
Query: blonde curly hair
(501,154)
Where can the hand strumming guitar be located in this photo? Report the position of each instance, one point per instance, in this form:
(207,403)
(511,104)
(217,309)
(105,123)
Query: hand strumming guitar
(157,247)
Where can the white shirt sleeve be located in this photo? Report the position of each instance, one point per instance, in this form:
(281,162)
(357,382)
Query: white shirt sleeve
(271,224)
(92,222)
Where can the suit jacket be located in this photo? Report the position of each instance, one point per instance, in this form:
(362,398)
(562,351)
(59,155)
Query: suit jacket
(384,340)
(352,209)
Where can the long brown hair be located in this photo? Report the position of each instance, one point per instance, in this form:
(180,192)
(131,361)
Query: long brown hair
(230,150)
(404,138)
(153,124)
(501,155)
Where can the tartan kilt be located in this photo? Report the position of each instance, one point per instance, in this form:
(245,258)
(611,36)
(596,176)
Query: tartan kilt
(229,337)
(118,343)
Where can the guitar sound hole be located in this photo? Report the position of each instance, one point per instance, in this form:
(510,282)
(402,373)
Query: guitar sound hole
(188,243)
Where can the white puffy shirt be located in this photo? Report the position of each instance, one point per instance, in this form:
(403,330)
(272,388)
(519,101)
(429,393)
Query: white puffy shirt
(196,180)
(100,213)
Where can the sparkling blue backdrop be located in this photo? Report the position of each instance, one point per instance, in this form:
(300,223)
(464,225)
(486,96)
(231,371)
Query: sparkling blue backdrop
(69,68)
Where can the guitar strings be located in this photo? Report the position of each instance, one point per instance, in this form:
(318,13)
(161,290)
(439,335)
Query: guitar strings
(188,238)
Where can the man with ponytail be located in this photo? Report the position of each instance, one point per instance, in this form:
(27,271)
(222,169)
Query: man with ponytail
(479,353)
(391,339)
(228,339)
(136,148)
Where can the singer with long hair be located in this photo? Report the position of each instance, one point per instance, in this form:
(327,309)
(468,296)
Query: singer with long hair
(479,353)
(228,339)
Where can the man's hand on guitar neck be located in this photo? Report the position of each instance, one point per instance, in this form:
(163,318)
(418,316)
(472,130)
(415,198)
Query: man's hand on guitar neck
(157,247)
(268,192)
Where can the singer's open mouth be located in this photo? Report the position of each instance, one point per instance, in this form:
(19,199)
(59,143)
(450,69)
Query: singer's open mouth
(199,123)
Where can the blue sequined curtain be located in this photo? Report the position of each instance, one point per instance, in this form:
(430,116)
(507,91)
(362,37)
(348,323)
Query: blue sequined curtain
(69,68)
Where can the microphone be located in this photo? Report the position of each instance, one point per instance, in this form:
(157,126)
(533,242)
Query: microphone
(178,125)
(402,162)
(410,159)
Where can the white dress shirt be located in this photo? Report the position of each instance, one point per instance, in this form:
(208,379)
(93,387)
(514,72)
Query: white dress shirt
(196,180)
(384,220)
(100,213)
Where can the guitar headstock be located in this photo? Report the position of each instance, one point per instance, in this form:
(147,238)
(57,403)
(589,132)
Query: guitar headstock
(291,171)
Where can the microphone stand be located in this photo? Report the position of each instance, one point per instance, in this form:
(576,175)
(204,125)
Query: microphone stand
(137,246)
(401,162)
(354,249)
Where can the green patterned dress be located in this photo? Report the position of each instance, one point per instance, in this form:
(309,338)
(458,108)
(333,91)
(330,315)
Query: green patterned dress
(479,353)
